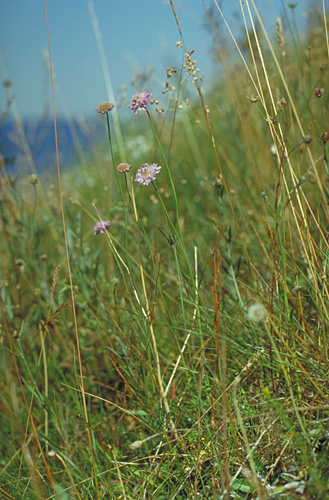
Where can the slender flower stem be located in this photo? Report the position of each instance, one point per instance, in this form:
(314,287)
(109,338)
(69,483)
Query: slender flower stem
(177,231)
(119,259)
(150,324)
(118,181)
(168,170)
(165,210)
(110,139)
(33,232)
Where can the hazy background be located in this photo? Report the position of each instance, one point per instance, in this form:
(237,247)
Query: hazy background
(136,36)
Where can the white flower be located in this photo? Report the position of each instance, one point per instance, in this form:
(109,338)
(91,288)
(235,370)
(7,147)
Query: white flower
(257,312)
(147,173)
(135,445)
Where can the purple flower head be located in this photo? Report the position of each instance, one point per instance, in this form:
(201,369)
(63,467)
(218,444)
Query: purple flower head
(139,101)
(147,173)
(105,107)
(100,226)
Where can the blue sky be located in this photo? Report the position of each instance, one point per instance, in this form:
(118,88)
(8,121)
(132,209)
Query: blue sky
(136,35)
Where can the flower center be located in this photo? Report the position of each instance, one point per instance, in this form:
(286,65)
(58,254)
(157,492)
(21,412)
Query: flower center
(146,171)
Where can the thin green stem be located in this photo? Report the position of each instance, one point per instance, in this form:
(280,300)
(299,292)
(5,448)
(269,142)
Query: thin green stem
(118,181)
(178,230)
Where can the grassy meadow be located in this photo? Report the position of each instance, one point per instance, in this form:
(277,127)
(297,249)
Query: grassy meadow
(181,352)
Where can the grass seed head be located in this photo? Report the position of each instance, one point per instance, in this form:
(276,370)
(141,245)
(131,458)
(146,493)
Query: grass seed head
(254,98)
(282,103)
(280,37)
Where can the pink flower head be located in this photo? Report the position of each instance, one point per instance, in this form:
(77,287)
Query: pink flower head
(123,167)
(147,173)
(105,107)
(139,101)
(100,226)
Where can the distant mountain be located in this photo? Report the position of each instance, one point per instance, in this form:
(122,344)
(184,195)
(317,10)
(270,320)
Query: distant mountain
(30,145)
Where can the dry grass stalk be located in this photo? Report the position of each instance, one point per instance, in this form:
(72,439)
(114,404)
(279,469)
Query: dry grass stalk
(55,278)
(280,38)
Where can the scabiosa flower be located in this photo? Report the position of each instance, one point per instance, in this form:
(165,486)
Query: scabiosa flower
(123,167)
(100,226)
(318,92)
(105,107)
(147,173)
(139,101)
(308,139)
